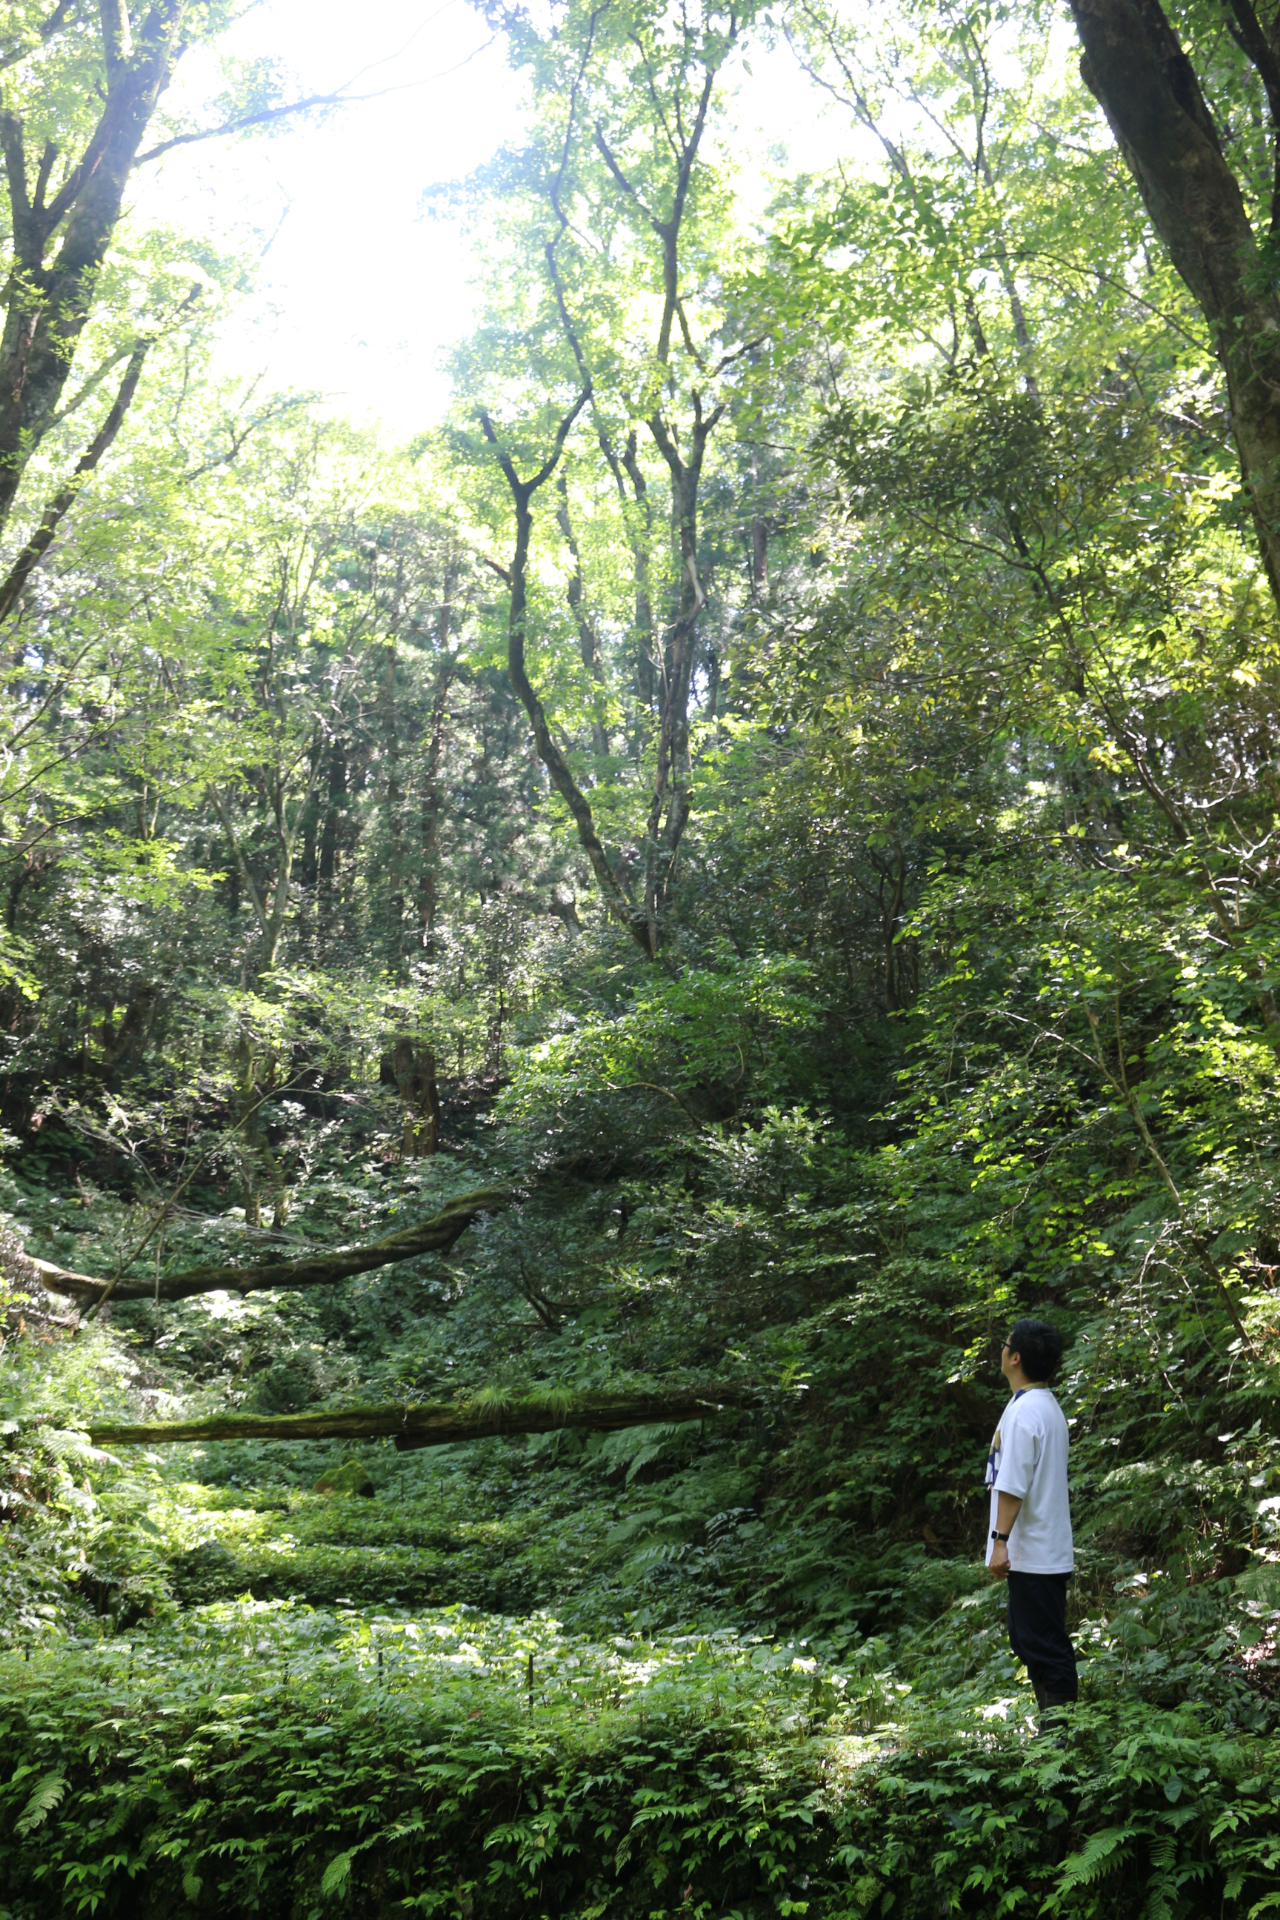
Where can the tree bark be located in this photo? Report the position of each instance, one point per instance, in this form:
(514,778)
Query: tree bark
(612,890)
(588,639)
(435,1235)
(395,806)
(439,1426)
(672,799)
(432,801)
(1137,70)
(413,1067)
(49,301)
(759,531)
(673,777)
(42,539)
(643,590)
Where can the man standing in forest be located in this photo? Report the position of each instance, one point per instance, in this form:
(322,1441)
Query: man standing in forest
(1030,1545)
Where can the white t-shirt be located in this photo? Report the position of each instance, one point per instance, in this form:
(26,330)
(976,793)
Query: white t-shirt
(1029,1460)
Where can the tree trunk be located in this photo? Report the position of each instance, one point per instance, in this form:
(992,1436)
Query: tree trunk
(395,806)
(261,1172)
(440,1426)
(429,820)
(49,301)
(588,639)
(435,1235)
(640,576)
(42,539)
(673,779)
(413,1067)
(1136,68)
(759,531)
(611,887)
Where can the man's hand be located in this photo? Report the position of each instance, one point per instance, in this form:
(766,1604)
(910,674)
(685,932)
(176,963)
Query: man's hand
(1008,1507)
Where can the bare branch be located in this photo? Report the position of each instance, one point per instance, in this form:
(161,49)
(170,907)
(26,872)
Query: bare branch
(44,33)
(265,116)
(42,539)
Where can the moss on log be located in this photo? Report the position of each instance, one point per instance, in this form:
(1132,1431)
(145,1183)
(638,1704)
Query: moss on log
(439,1425)
(435,1235)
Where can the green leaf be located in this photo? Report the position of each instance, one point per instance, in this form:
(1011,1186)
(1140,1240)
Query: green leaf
(44,1798)
(337,1872)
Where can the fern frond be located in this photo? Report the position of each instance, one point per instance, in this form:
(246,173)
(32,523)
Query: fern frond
(1104,1852)
(44,1797)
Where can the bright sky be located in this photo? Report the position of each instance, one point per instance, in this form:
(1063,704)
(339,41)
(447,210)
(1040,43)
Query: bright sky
(360,292)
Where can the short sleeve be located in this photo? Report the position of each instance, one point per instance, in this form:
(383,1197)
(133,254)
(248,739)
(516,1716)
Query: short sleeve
(1018,1458)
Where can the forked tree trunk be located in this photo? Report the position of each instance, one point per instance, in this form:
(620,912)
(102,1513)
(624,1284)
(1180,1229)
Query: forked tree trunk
(612,889)
(61,237)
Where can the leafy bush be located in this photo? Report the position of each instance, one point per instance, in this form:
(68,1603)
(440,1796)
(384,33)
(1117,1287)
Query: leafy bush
(274,1760)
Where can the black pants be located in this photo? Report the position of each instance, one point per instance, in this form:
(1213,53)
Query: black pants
(1038,1632)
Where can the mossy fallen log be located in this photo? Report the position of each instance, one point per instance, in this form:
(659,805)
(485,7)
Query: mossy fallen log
(435,1235)
(440,1425)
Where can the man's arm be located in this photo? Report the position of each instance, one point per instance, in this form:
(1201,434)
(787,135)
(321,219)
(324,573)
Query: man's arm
(1008,1507)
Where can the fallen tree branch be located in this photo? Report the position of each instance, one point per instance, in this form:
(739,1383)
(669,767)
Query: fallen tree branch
(435,1235)
(440,1425)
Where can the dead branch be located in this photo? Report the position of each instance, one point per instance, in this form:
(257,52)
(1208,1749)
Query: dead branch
(435,1235)
(440,1425)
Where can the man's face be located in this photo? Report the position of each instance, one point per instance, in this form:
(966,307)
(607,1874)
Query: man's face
(1009,1362)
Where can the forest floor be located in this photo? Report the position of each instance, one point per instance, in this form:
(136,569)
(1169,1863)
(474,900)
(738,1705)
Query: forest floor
(739,1667)
(508,1678)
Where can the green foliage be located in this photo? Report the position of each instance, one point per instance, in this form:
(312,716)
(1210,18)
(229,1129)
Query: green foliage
(713,1043)
(538,1756)
(900,623)
(266,1755)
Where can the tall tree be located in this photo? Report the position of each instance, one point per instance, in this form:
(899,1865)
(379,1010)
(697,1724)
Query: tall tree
(617,212)
(81,86)
(1204,151)
(63,221)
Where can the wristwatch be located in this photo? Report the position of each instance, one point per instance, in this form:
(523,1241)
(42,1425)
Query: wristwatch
(998,1536)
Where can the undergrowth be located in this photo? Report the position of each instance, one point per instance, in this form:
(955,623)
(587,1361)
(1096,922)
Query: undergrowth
(271,1759)
(724,1669)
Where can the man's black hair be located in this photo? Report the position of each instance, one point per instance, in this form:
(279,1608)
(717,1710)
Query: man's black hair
(1038,1347)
